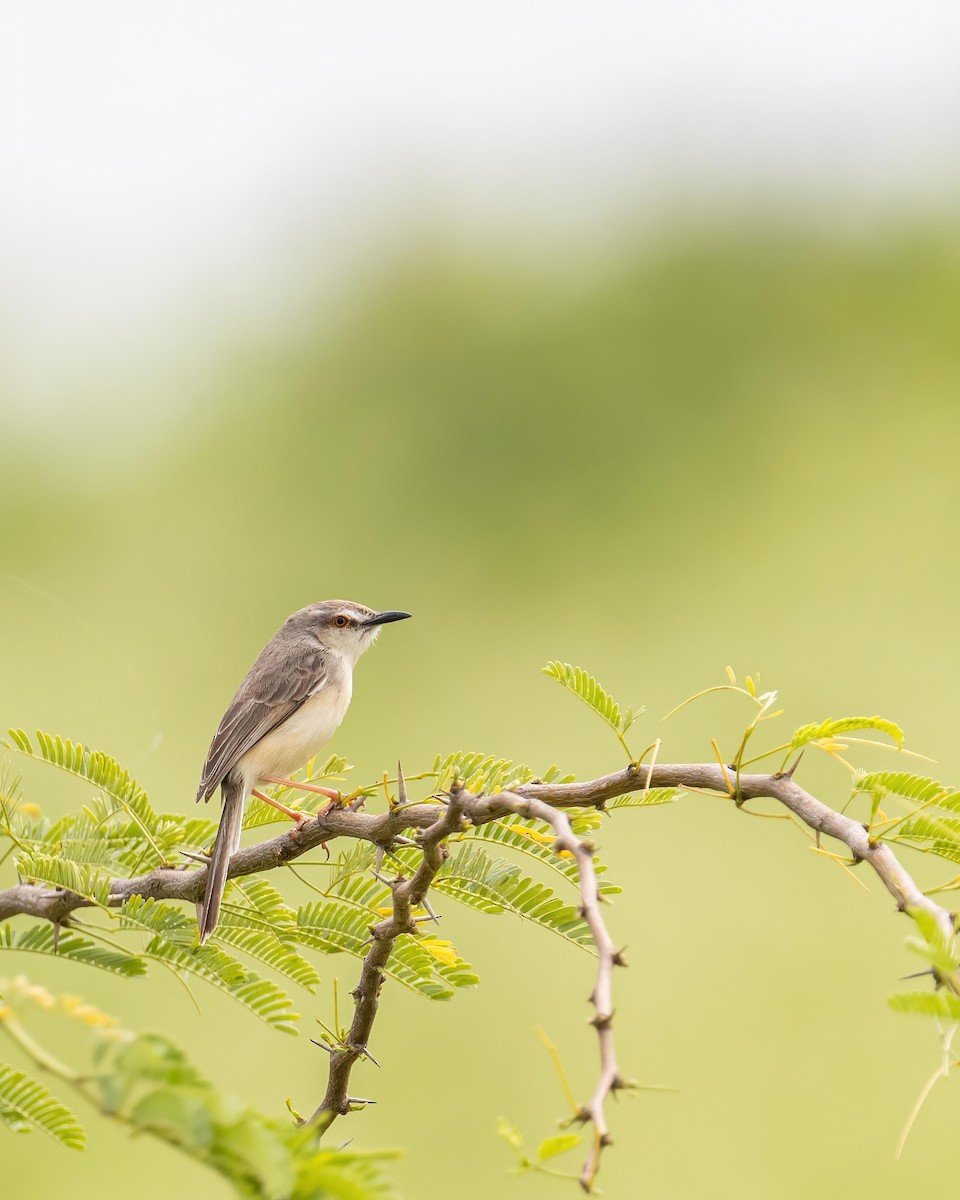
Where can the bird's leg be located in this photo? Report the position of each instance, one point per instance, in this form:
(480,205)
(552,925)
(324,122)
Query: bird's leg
(335,797)
(330,793)
(294,814)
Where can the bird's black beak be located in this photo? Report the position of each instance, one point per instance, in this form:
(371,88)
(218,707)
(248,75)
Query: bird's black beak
(385,618)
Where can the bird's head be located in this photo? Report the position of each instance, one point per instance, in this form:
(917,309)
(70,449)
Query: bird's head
(344,627)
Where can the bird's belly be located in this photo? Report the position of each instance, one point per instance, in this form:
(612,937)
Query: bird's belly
(286,748)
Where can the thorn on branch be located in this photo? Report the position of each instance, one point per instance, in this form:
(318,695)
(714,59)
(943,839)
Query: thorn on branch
(366,1054)
(401,785)
(788,773)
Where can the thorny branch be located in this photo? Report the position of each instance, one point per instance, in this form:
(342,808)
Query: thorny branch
(407,895)
(435,822)
(602,995)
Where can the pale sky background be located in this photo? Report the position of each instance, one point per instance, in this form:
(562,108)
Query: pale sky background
(168,169)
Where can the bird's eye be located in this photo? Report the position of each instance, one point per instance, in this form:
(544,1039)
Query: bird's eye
(341,621)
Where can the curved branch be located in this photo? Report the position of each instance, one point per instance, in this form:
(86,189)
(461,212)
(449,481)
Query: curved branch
(536,800)
(382,829)
(602,995)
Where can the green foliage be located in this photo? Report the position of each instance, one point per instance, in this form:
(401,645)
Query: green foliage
(84,880)
(535,839)
(144,1080)
(485,773)
(938,830)
(582,684)
(149,1084)
(40,939)
(917,788)
(559,1144)
(548,1149)
(941,1004)
(256,921)
(934,825)
(104,772)
(116,829)
(146,1083)
(827,731)
(648,799)
(343,925)
(939,950)
(493,885)
(172,944)
(273,953)
(26,1104)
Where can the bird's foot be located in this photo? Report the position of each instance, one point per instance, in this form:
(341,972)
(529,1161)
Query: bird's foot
(297,815)
(330,793)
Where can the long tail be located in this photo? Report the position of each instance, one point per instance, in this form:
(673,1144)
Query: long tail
(228,839)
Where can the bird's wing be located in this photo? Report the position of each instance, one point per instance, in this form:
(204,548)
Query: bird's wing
(279,682)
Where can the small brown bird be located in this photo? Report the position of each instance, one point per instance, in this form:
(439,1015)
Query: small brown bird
(285,711)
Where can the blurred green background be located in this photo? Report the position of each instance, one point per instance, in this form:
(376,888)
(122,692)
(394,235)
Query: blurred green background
(724,437)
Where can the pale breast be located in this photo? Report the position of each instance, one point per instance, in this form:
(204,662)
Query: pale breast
(286,748)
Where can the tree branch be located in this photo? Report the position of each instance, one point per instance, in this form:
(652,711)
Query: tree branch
(602,995)
(407,894)
(445,815)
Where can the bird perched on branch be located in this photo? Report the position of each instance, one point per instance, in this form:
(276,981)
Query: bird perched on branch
(285,711)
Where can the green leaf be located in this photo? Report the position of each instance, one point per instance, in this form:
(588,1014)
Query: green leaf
(510,1134)
(493,885)
(26,1104)
(149,1084)
(647,799)
(552,1146)
(175,1114)
(356,860)
(40,939)
(79,878)
(254,903)
(936,947)
(942,826)
(105,773)
(832,728)
(173,945)
(917,788)
(583,685)
(265,948)
(485,773)
(335,926)
(941,1004)
(513,832)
